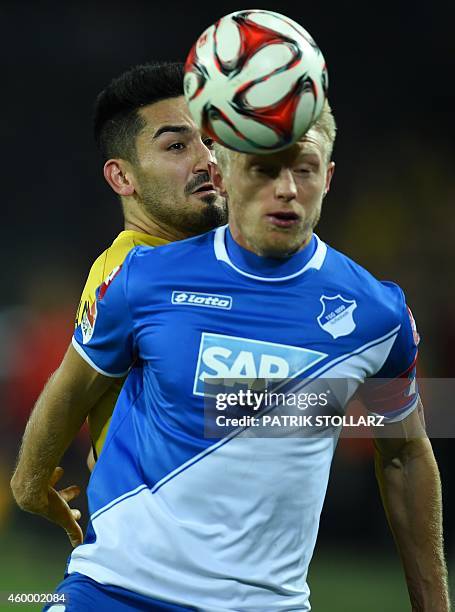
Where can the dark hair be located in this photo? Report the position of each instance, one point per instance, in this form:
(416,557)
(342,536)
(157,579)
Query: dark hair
(116,118)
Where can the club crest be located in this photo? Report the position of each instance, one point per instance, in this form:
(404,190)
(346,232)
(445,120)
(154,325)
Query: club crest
(336,317)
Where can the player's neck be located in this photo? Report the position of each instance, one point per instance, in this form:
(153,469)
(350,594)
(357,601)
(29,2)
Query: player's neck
(139,222)
(153,229)
(251,263)
(237,236)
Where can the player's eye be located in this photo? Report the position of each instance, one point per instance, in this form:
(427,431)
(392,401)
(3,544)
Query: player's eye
(209,143)
(302,170)
(176,146)
(265,170)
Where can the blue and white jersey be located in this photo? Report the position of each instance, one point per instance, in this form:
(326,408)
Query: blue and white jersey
(231,523)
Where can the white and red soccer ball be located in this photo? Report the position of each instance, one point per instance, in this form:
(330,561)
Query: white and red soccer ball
(255,81)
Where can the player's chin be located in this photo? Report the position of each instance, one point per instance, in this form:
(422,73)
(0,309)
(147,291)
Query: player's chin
(207,199)
(213,207)
(282,242)
(208,217)
(278,246)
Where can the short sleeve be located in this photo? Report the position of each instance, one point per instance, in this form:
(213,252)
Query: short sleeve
(105,336)
(393,391)
(88,295)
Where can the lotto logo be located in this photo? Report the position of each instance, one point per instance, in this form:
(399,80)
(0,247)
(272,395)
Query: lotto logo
(229,357)
(206,300)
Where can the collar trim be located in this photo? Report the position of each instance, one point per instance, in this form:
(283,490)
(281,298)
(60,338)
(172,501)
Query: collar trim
(221,254)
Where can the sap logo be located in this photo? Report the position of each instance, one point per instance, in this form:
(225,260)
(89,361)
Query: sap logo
(232,358)
(206,300)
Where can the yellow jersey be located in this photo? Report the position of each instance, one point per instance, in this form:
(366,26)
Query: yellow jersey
(100,415)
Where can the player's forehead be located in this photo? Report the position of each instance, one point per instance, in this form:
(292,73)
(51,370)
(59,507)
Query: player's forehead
(313,142)
(169,113)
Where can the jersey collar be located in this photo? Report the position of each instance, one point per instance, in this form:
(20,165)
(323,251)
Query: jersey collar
(267,269)
(140,238)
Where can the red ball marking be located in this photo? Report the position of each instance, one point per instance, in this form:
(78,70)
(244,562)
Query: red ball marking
(253,38)
(279,116)
(193,65)
(208,114)
(191,60)
(202,40)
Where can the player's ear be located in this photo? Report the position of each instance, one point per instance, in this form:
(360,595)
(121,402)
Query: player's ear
(217,178)
(328,176)
(119,177)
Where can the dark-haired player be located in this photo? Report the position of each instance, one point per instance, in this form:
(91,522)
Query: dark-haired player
(156,161)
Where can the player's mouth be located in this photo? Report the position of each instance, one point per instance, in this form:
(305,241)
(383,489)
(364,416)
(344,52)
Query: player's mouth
(204,190)
(283,218)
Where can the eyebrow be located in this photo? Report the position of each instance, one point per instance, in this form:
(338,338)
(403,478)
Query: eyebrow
(310,158)
(171,128)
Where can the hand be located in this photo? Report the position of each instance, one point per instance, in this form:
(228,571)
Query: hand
(59,511)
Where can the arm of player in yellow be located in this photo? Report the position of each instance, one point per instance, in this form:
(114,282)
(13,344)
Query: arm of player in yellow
(56,418)
(410,486)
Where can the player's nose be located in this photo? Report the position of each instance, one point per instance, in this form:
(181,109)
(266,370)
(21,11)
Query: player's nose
(285,186)
(203,158)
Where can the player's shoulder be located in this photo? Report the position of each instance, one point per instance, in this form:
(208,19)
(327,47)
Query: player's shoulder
(111,257)
(99,265)
(146,272)
(115,254)
(382,296)
(172,253)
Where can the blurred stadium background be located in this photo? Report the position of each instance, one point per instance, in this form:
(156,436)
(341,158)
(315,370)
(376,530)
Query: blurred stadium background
(391,208)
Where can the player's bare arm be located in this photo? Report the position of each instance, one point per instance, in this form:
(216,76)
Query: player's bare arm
(57,417)
(410,486)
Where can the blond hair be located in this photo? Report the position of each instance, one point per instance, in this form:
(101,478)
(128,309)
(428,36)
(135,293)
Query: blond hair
(224,157)
(326,126)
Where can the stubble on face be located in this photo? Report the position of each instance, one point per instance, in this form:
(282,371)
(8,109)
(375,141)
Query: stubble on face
(189,215)
(280,243)
(171,163)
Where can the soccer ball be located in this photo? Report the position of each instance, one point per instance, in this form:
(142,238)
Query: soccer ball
(255,81)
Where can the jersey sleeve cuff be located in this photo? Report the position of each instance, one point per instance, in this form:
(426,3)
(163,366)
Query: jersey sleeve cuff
(401,415)
(77,347)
